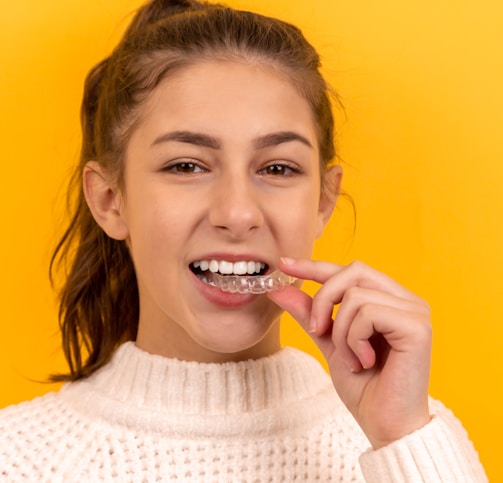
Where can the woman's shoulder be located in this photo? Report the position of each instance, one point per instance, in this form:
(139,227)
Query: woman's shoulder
(27,422)
(23,424)
(32,430)
(27,412)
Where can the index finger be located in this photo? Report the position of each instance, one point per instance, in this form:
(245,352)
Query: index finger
(344,276)
(316,270)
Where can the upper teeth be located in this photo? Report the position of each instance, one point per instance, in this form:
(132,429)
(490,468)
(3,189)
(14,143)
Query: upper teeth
(228,268)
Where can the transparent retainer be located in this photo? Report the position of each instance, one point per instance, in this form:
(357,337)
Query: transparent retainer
(255,284)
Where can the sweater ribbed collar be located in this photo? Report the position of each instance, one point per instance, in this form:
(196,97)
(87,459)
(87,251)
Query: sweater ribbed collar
(138,388)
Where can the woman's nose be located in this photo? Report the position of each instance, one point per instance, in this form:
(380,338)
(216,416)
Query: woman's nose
(235,208)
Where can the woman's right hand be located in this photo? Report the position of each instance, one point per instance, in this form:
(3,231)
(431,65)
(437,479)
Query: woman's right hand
(377,347)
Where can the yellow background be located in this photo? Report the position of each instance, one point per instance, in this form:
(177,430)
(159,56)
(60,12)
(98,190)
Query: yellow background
(421,82)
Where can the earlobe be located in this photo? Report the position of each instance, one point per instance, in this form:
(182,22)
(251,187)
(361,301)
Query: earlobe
(104,201)
(330,190)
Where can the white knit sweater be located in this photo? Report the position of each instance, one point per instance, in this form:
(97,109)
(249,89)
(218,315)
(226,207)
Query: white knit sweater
(145,418)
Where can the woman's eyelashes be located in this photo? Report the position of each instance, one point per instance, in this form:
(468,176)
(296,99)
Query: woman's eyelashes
(185,166)
(280,168)
(189,166)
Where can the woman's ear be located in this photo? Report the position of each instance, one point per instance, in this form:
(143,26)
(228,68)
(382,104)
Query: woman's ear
(104,200)
(330,190)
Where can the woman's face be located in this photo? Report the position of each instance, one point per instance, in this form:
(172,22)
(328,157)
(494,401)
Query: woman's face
(223,167)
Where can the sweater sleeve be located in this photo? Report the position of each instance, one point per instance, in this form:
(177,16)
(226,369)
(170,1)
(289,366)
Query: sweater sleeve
(439,452)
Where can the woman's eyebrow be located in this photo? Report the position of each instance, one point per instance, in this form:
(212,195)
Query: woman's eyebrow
(189,137)
(261,142)
(276,138)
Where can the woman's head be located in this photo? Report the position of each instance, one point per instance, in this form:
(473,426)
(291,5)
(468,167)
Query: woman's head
(99,305)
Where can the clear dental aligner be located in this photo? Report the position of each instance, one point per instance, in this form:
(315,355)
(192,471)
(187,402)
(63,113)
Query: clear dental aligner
(255,284)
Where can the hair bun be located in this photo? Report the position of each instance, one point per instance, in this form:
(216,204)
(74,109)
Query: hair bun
(156,10)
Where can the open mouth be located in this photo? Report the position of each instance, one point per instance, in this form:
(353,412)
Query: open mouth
(204,269)
(240,277)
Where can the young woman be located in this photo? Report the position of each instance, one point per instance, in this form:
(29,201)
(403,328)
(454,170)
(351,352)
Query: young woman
(208,148)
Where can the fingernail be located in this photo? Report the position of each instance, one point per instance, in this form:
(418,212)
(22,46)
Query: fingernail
(313,325)
(287,261)
(354,367)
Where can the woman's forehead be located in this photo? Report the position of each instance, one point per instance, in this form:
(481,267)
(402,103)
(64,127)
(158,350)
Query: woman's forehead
(221,98)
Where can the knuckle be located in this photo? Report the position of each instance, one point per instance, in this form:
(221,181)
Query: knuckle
(426,307)
(423,307)
(420,326)
(367,311)
(424,334)
(357,266)
(352,294)
(427,327)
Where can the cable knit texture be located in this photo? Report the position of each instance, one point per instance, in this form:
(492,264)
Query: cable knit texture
(145,418)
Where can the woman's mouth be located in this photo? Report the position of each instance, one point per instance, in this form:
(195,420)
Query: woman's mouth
(237,279)
(204,268)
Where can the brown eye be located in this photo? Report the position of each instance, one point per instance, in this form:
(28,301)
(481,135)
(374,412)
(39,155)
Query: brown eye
(279,169)
(184,167)
(276,169)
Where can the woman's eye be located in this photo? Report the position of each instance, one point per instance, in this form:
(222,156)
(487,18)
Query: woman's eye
(279,169)
(184,167)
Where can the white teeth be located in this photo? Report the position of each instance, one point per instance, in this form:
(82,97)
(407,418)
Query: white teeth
(229,268)
(240,268)
(226,267)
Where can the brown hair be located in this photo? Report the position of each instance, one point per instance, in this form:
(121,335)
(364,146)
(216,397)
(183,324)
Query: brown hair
(99,305)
